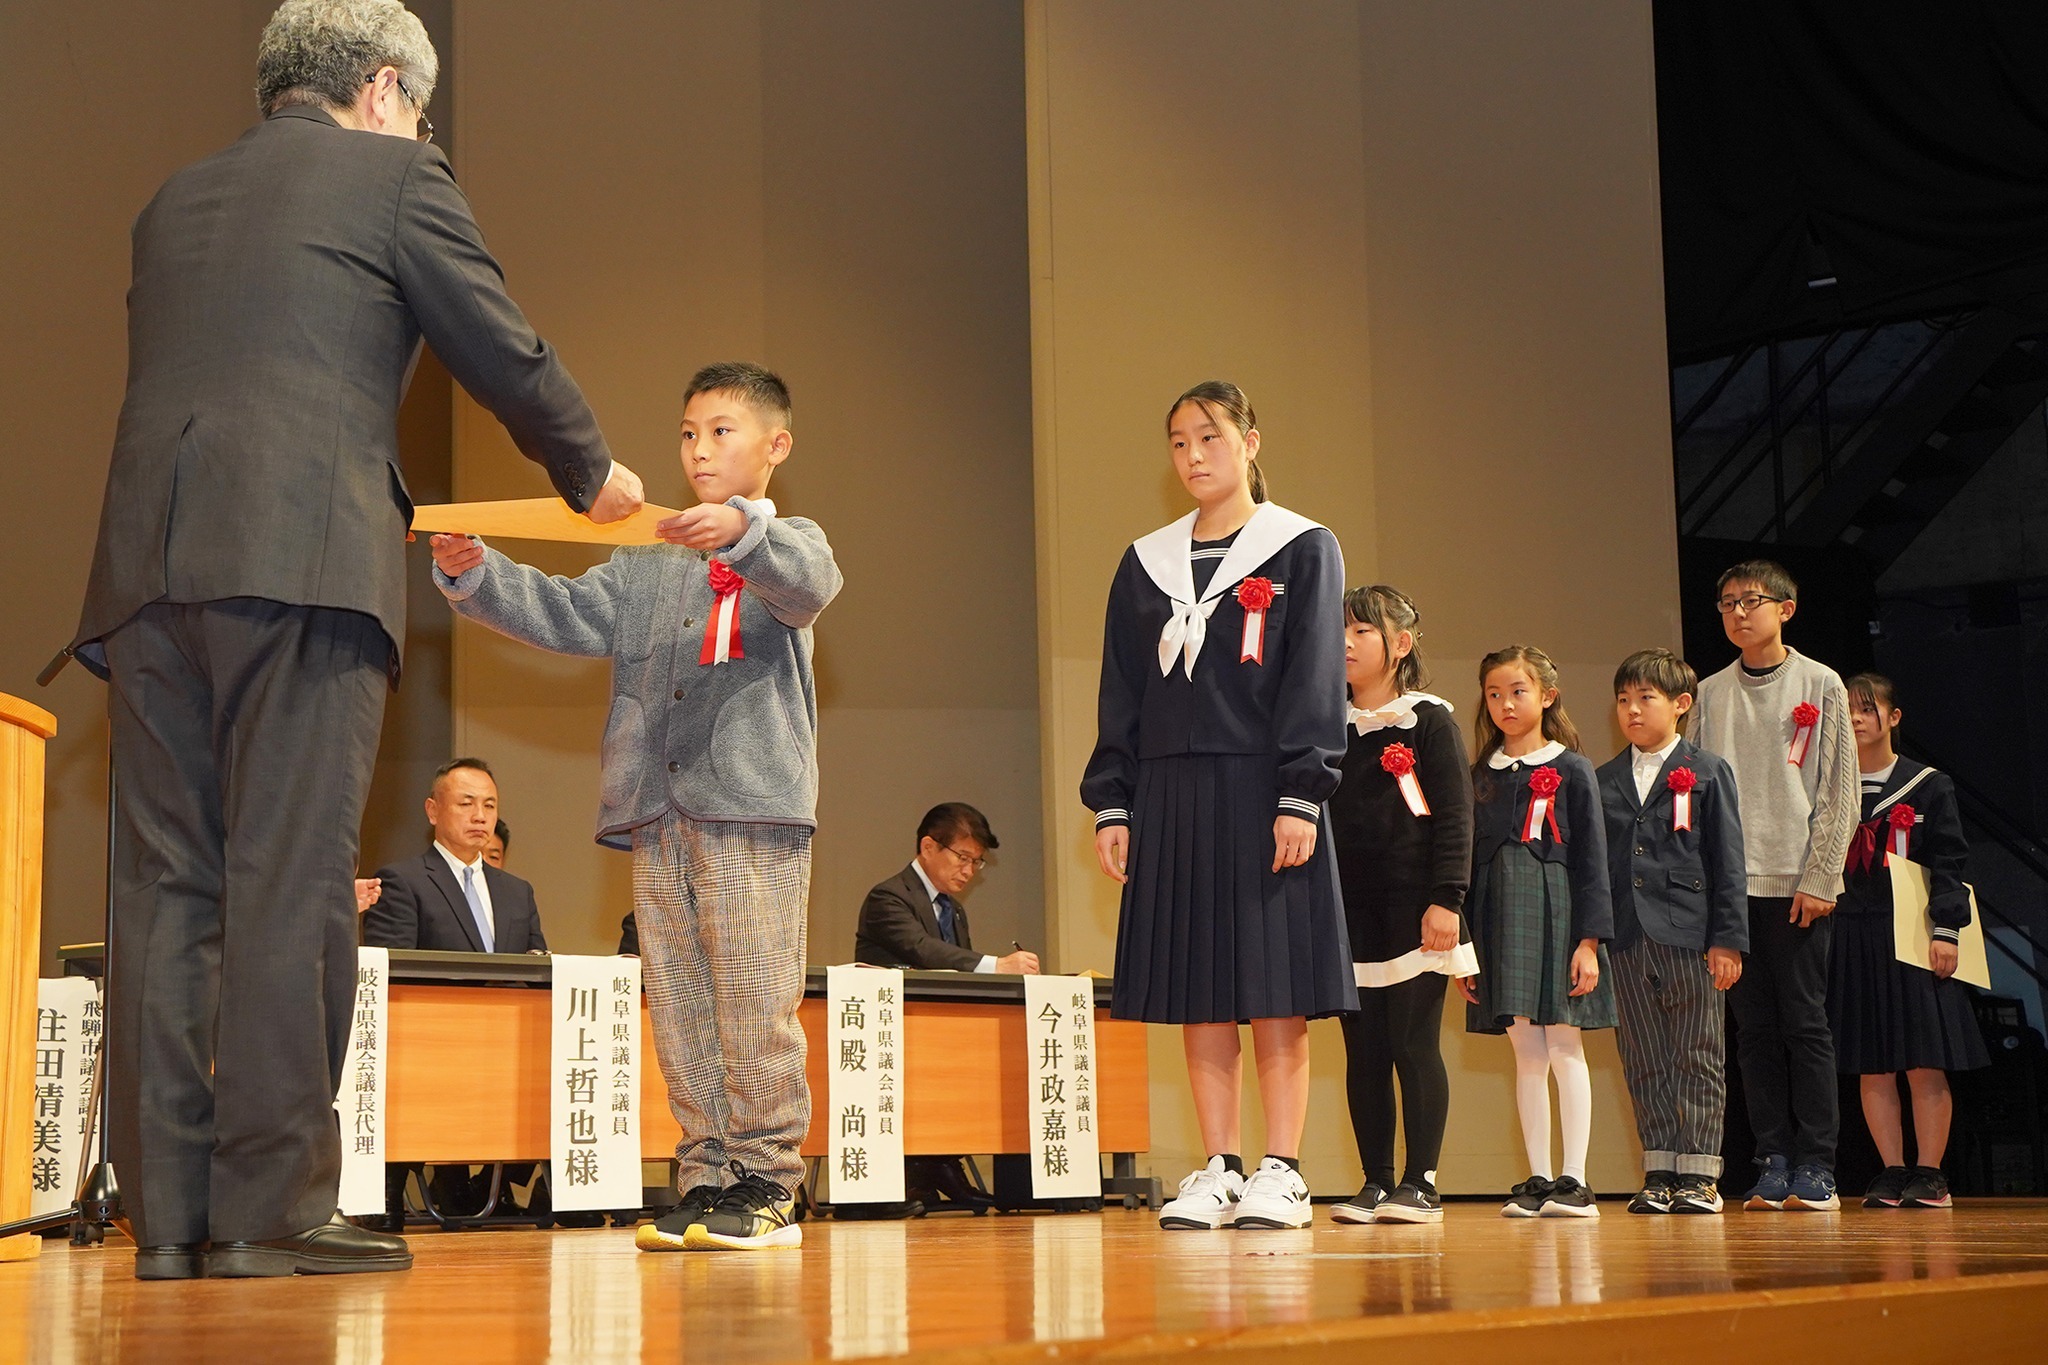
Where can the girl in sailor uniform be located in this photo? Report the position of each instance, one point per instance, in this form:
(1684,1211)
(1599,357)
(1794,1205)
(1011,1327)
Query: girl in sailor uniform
(1889,1017)
(1402,821)
(1220,731)
(1541,914)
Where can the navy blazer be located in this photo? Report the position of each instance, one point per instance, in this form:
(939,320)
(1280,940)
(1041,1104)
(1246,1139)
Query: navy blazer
(422,906)
(1684,888)
(1500,811)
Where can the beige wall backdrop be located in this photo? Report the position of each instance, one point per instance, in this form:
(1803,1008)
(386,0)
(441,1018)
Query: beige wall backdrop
(838,192)
(1425,240)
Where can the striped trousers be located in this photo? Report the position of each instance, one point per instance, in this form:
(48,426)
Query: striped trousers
(1673,1054)
(722,909)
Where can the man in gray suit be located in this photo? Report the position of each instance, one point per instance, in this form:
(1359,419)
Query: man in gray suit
(247,603)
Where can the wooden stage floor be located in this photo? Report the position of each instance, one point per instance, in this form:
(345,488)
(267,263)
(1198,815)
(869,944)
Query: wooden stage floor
(1971,1283)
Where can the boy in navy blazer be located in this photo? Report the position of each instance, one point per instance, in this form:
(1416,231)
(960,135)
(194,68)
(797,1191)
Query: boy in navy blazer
(1681,926)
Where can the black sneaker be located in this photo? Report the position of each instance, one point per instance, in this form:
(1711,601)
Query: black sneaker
(1526,1199)
(1414,1201)
(1884,1191)
(1362,1207)
(754,1214)
(1655,1196)
(666,1233)
(1696,1194)
(1927,1190)
(1569,1199)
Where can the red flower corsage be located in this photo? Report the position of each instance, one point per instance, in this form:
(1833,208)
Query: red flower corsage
(1903,816)
(1543,785)
(722,626)
(1254,595)
(1682,781)
(1397,759)
(1804,717)
(723,579)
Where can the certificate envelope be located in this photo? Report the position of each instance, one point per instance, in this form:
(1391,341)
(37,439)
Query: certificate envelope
(1912,931)
(538,519)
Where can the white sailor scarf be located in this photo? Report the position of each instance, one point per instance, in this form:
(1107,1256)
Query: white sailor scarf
(1168,557)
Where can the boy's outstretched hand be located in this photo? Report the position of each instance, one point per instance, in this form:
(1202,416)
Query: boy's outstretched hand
(456,555)
(707,526)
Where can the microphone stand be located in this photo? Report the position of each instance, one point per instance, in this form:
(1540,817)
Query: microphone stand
(98,1202)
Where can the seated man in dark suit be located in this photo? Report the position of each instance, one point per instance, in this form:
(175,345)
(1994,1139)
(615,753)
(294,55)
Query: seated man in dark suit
(913,919)
(453,899)
(450,898)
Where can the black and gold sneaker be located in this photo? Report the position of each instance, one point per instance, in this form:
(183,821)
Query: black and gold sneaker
(754,1214)
(670,1231)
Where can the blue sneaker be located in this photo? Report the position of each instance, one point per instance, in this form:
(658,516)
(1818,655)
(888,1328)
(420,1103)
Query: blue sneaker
(1813,1187)
(1773,1185)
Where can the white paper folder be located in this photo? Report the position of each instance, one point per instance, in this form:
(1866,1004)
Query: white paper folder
(1913,932)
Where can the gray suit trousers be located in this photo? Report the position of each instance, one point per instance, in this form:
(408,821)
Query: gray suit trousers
(244,734)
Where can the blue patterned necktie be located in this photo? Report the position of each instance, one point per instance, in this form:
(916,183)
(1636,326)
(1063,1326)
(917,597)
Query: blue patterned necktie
(947,908)
(476,909)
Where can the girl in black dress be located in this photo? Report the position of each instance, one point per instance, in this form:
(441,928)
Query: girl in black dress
(1220,730)
(1887,1016)
(1402,822)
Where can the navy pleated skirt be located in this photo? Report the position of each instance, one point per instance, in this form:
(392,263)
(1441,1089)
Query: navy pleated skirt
(1209,933)
(1889,1017)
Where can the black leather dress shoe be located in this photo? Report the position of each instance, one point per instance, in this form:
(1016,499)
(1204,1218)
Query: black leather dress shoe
(172,1261)
(336,1247)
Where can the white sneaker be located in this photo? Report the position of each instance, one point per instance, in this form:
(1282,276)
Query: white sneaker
(1207,1199)
(1275,1197)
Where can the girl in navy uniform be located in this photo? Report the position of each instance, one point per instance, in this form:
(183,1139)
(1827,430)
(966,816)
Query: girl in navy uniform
(1888,1017)
(1402,821)
(1220,729)
(1541,914)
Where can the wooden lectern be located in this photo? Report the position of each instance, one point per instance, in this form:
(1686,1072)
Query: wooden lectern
(24,729)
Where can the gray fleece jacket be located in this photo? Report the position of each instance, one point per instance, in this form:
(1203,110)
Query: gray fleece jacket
(731,741)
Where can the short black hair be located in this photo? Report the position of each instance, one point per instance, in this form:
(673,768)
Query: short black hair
(757,386)
(1874,688)
(950,819)
(1658,668)
(504,833)
(1767,574)
(452,764)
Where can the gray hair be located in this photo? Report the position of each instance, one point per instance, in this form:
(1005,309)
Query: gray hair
(321,52)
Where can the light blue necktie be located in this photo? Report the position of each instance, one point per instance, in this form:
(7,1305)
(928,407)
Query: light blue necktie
(476,909)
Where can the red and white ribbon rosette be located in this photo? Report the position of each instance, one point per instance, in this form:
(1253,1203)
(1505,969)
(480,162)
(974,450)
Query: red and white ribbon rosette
(722,629)
(1804,717)
(1399,760)
(1681,782)
(1901,819)
(1254,595)
(1543,785)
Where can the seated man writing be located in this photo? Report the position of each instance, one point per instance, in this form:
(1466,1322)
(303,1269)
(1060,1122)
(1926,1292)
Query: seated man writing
(914,919)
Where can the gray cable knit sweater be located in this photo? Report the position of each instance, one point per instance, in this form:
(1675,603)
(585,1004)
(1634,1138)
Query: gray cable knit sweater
(731,741)
(1797,819)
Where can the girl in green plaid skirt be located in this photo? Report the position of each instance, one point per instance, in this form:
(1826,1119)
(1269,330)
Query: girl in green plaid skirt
(1540,912)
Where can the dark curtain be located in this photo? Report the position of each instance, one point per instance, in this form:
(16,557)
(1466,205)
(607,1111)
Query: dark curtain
(1900,148)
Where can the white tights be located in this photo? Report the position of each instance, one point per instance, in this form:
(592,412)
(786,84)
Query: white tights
(1541,1051)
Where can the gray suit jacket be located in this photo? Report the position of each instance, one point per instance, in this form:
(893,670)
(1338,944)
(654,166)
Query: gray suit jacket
(280,292)
(899,928)
(731,741)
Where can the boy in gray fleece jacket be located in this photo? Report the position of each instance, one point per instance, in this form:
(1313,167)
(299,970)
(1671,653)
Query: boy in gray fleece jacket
(710,777)
(1782,722)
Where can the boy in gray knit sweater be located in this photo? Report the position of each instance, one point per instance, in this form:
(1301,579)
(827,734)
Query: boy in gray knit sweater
(711,778)
(1782,722)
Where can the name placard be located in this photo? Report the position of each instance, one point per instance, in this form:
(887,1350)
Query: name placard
(865,1008)
(594,1112)
(67,1050)
(1059,1041)
(360,1102)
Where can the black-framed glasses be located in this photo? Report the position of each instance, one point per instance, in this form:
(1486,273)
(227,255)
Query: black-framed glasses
(965,861)
(1749,601)
(424,131)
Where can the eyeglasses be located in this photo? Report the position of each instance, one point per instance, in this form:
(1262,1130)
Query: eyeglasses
(1749,601)
(976,863)
(424,132)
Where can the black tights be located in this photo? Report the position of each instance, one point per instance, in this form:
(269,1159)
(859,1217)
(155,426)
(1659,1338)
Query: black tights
(1396,1030)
